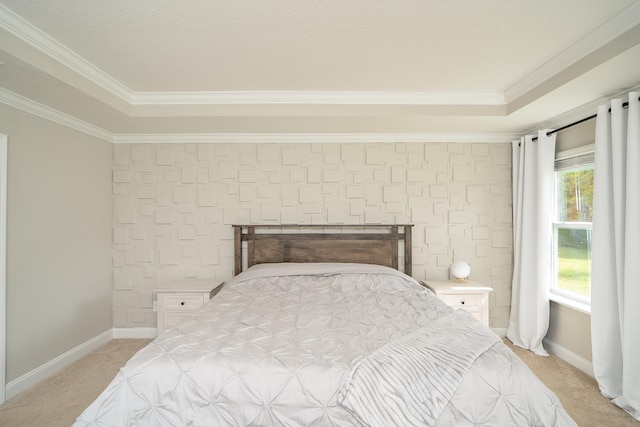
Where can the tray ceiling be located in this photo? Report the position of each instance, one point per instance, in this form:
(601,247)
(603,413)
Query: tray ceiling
(426,69)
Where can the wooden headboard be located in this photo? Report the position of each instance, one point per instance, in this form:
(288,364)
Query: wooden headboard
(368,244)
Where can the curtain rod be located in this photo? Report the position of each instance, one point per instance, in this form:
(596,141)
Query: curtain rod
(551,132)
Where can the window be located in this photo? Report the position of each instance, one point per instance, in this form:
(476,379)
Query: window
(572,228)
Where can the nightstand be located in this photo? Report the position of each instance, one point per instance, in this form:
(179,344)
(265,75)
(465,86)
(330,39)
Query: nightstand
(177,303)
(472,296)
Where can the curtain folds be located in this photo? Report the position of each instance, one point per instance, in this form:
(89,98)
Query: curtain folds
(615,285)
(533,186)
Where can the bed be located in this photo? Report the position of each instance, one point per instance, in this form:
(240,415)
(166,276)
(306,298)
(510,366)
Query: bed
(320,327)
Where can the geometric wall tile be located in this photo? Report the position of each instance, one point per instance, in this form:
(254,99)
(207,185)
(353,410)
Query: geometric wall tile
(174,204)
(164,156)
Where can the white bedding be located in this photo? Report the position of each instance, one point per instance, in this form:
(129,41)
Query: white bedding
(278,343)
(410,380)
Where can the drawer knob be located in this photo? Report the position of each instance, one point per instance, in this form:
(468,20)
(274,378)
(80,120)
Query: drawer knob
(182,303)
(462,302)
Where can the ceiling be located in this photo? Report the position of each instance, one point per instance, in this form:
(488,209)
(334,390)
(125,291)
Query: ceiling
(291,70)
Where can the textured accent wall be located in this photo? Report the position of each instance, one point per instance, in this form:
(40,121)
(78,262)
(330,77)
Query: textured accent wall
(174,205)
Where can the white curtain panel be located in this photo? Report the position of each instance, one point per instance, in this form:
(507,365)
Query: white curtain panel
(533,188)
(615,283)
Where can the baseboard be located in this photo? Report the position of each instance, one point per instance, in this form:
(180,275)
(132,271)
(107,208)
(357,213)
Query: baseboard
(45,371)
(570,357)
(134,333)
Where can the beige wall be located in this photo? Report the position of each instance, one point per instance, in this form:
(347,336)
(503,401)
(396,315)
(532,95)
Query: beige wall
(59,239)
(174,205)
(577,136)
(571,329)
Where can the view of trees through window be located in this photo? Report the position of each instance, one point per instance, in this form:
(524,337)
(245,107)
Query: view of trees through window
(572,229)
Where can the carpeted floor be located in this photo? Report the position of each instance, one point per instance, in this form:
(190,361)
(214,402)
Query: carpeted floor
(578,392)
(57,401)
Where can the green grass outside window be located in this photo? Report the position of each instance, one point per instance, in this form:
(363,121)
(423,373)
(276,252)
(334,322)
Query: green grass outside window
(574,270)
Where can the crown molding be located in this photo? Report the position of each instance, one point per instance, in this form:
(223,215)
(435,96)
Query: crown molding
(25,104)
(599,37)
(35,37)
(613,29)
(312,138)
(40,110)
(41,41)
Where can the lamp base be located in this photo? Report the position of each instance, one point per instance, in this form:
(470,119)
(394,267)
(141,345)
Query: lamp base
(461,279)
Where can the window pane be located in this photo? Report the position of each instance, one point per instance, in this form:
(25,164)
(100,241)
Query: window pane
(574,261)
(574,189)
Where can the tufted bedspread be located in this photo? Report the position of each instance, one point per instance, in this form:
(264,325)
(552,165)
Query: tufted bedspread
(279,343)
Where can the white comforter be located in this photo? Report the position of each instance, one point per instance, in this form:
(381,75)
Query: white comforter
(410,380)
(278,343)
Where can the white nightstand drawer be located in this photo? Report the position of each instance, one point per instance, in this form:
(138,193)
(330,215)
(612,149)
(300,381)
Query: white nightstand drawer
(462,300)
(472,297)
(174,306)
(182,302)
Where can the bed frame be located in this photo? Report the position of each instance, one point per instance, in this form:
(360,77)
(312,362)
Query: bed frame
(368,244)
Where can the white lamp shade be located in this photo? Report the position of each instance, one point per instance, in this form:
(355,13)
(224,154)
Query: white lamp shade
(460,270)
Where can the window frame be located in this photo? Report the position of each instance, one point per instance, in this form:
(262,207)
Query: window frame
(571,299)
